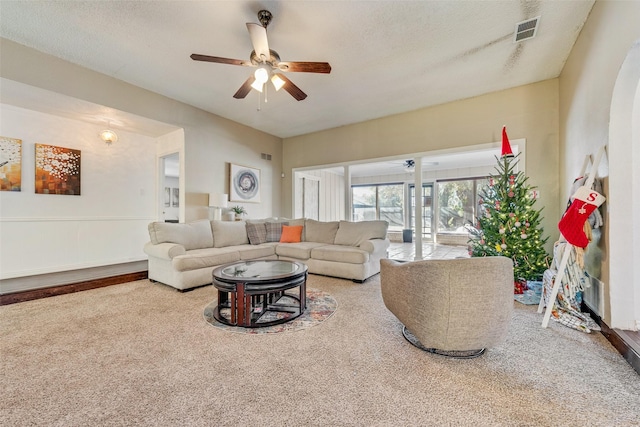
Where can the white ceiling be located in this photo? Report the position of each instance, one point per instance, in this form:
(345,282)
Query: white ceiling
(387,57)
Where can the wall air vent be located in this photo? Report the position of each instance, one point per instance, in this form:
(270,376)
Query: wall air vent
(526,30)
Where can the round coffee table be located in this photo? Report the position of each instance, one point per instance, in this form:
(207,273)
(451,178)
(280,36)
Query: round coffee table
(252,294)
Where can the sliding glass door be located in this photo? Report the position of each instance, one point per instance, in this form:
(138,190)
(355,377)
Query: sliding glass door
(379,201)
(427,210)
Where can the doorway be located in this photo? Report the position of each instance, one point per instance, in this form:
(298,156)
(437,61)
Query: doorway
(170,199)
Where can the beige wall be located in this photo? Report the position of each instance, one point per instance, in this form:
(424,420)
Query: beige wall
(529,112)
(211,142)
(586,88)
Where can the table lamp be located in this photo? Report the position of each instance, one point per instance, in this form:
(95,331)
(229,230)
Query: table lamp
(217,201)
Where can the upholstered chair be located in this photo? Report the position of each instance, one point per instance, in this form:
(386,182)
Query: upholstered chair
(455,307)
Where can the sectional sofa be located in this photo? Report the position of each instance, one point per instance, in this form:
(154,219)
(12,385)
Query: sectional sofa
(184,255)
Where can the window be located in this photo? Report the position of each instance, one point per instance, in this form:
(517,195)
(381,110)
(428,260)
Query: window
(457,202)
(380,201)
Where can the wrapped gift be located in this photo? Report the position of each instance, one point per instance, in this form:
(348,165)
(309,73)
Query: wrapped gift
(519,286)
(535,286)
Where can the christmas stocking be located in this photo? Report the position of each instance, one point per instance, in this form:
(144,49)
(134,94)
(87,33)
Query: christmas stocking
(571,225)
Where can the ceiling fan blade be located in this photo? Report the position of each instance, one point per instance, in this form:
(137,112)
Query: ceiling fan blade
(207,58)
(258,35)
(305,67)
(245,88)
(292,89)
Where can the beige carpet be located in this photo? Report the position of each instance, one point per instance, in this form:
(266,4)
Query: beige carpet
(142,354)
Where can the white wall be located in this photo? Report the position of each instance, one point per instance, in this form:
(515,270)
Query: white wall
(331,199)
(586,91)
(106,224)
(210,144)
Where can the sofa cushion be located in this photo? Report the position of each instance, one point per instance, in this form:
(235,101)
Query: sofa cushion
(193,235)
(356,233)
(201,258)
(297,250)
(291,234)
(320,232)
(257,233)
(256,251)
(274,230)
(337,253)
(229,233)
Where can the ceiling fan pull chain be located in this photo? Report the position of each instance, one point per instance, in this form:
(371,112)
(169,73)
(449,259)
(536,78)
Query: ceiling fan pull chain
(259,100)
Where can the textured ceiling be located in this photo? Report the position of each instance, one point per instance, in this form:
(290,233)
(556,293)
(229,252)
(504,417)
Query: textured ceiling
(387,57)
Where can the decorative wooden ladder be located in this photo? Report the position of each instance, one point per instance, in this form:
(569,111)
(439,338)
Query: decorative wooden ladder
(569,247)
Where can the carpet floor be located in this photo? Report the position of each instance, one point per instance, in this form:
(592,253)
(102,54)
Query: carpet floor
(142,354)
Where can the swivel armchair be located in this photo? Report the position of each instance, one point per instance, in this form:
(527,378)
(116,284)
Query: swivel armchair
(455,307)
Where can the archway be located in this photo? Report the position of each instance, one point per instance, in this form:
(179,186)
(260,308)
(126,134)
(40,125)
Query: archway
(624,195)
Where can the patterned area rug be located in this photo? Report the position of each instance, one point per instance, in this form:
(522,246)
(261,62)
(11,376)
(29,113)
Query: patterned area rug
(320,306)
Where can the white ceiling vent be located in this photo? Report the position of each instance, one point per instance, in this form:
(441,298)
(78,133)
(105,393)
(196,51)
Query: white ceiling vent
(526,30)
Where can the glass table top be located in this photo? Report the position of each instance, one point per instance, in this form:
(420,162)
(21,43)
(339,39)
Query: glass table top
(261,269)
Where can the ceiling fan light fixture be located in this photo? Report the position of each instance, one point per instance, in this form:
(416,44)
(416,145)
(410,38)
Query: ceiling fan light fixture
(257,85)
(261,75)
(277,82)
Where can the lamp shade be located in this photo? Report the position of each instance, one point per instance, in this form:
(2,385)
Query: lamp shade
(218,200)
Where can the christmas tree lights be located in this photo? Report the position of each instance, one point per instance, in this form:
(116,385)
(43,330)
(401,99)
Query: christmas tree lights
(507,223)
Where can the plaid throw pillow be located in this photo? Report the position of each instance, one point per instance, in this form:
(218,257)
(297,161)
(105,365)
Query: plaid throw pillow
(274,230)
(257,233)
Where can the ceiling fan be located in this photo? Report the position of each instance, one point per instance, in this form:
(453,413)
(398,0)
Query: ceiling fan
(267,63)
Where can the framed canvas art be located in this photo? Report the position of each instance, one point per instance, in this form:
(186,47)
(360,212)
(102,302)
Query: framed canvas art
(10,164)
(244,183)
(57,170)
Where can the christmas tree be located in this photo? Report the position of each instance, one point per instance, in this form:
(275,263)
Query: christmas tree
(507,223)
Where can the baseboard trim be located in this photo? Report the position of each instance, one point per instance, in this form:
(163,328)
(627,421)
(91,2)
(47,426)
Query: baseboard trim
(620,344)
(33,294)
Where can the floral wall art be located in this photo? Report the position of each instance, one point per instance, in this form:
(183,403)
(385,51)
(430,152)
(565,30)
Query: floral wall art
(57,170)
(245,184)
(10,164)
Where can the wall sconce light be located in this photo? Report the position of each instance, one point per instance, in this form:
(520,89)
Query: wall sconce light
(108,136)
(218,201)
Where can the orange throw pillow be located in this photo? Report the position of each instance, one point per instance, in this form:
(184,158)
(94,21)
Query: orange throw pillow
(291,234)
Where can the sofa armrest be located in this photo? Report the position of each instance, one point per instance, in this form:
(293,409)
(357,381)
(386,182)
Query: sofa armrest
(164,250)
(376,246)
